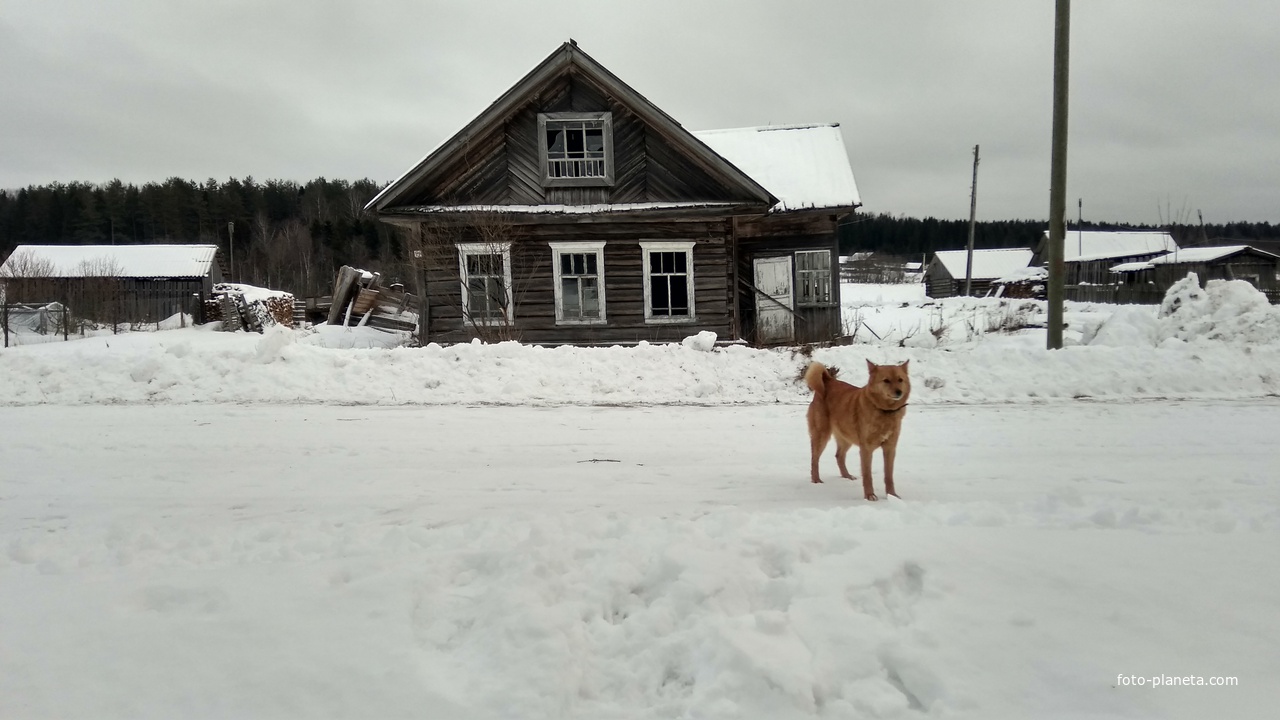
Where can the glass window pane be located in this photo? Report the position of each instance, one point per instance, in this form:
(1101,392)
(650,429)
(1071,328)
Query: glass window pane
(569,295)
(822,261)
(574,142)
(579,264)
(655,262)
(555,142)
(591,264)
(566,264)
(590,298)
(680,260)
(497,296)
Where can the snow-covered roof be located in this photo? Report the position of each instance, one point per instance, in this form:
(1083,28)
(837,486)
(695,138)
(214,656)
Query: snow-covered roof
(1085,245)
(1206,254)
(987,264)
(136,261)
(804,166)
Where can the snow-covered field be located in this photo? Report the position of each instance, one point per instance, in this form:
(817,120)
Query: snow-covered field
(199,524)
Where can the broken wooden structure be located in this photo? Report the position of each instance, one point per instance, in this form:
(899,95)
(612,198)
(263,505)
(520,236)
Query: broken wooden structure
(360,298)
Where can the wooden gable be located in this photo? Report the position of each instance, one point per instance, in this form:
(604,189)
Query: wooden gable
(495,159)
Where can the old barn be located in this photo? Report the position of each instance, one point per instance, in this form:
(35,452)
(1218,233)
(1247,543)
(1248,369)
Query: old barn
(1228,262)
(945,274)
(114,283)
(575,211)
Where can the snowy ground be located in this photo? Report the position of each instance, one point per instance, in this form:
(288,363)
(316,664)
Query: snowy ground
(198,524)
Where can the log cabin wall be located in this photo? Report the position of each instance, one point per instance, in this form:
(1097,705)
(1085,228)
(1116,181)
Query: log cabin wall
(533,292)
(783,235)
(503,167)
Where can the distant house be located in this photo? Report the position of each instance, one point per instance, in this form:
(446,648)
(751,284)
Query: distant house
(574,211)
(115,283)
(1229,262)
(945,274)
(1089,255)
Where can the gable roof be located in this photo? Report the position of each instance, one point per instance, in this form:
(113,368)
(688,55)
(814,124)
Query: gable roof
(131,261)
(987,264)
(1208,254)
(805,166)
(1194,255)
(1086,245)
(566,58)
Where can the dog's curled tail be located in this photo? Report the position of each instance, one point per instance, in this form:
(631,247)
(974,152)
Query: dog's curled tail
(816,376)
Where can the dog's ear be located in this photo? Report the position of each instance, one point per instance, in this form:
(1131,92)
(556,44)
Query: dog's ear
(905,364)
(871,368)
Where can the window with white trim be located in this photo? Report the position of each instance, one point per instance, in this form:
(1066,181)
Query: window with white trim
(813,277)
(668,281)
(579,282)
(576,148)
(486,282)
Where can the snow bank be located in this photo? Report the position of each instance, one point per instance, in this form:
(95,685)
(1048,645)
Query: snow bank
(1201,344)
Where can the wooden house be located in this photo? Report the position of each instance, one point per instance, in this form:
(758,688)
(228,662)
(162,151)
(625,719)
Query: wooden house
(115,283)
(945,274)
(1229,262)
(1089,255)
(574,211)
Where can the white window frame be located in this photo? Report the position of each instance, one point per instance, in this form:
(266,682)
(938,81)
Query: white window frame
(649,247)
(486,248)
(544,160)
(578,248)
(799,284)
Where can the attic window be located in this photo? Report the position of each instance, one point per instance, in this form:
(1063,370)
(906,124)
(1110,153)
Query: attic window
(576,149)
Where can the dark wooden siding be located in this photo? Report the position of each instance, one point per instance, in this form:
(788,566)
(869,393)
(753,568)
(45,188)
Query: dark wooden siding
(534,298)
(780,236)
(503,166)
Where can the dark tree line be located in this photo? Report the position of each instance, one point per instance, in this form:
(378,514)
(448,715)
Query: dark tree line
(292,236)
(282,234)
(915,236)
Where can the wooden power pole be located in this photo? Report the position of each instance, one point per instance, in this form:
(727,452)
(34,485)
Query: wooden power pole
(973,214)
(1058,171)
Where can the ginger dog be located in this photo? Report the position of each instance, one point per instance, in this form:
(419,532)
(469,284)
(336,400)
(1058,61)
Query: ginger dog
(869,417)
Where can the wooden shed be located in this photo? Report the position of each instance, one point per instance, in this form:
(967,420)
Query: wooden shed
(574,211)
(1228,262)
(945,274)
(1089,255)
(115,283)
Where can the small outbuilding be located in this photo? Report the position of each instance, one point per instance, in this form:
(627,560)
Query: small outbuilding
(945,275)
(1228,262)
(115,283)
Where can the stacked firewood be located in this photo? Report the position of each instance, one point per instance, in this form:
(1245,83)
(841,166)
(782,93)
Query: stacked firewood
(247,307)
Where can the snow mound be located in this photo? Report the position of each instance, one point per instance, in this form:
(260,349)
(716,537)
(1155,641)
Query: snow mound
(1225,310)
(704,341)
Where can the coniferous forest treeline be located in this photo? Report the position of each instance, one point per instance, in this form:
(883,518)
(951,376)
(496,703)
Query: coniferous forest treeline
(293,236)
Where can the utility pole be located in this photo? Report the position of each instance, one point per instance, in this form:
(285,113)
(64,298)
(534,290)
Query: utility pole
(973,211)
(231,247)
(1058,170)
(1079,227)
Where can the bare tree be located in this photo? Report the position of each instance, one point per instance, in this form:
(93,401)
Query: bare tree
(471,268)
(101,292)
(22,277)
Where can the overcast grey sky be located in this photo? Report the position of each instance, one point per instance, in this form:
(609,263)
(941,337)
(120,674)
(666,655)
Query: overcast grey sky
(1175,106)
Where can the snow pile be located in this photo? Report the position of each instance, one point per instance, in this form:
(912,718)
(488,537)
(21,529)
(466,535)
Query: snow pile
(704,341)
(1225,311)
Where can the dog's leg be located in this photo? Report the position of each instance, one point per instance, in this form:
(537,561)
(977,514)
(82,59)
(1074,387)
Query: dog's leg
(890,449)
(819,434)
(868,490)
(842,451)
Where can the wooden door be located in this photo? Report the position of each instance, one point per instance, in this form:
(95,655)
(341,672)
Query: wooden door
(775,301)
